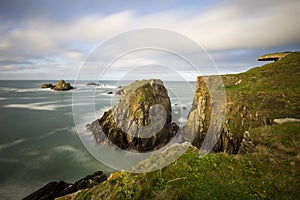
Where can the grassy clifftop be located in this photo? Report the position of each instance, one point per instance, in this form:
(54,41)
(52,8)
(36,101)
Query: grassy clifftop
(272,171)
(272,89)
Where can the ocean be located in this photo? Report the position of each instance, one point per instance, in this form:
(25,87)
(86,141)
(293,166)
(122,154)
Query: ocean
(39,142)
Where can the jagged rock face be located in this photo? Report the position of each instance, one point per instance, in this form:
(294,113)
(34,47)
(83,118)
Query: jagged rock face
(199,121)
(199,116)
(62,85)
(140,121)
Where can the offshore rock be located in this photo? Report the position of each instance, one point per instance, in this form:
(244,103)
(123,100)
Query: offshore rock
(62,85)
(140,121)
(47,85)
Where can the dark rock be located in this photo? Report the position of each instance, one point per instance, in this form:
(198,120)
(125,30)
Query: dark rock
(49,191)
(87,182)
(62,86)
(56,189)
(95,84)
(184,108)
(47,85)
(147,127)
(110,93)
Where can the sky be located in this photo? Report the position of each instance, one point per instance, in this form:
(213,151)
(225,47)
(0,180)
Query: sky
(52,39)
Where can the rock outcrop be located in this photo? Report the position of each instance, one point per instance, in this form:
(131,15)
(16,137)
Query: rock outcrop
(273,56)
(247,145)
(56,189)
(140,121)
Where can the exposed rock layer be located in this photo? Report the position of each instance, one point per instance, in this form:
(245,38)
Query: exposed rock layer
(273,56)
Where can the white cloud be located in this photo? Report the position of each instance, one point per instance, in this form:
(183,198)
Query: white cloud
(231,25)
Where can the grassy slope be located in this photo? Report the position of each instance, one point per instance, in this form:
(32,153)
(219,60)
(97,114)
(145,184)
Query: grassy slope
(272,89)
(271,172)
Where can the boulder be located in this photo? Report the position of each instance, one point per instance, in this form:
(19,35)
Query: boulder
(47,85)
(140,121)
(62,85)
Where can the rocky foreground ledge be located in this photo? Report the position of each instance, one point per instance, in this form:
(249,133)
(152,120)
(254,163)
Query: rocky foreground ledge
(56,189)
(60,86)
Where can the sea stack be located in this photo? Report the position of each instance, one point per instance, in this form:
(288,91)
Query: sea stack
(140,121)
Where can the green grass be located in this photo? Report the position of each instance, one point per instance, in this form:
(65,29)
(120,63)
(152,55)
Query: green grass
(216,176)
(271,172)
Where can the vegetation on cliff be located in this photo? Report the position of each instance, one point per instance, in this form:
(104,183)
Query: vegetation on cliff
(271,171)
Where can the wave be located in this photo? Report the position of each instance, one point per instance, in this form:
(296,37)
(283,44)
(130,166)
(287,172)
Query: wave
(35,106)
(13,143)
(30,98)
(32,90)
(106,86)
(3,98)
(77,154)
(9,160)
(57,130)
(22,90)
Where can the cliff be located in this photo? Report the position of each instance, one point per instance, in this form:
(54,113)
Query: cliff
(254,98)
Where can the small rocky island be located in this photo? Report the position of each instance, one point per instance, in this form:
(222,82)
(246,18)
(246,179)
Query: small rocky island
(60,86)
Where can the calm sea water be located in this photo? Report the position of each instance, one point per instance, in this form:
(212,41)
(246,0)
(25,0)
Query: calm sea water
(39,142)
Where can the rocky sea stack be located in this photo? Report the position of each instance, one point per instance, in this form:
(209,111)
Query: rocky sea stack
(60,86)
(140,121)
